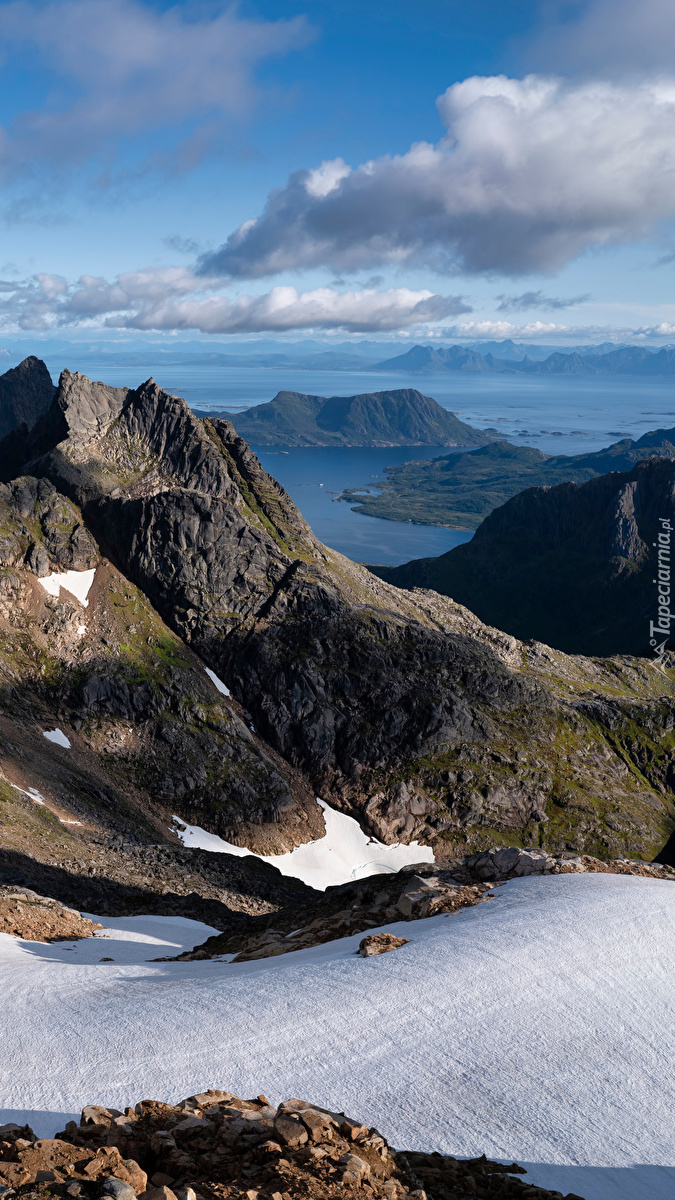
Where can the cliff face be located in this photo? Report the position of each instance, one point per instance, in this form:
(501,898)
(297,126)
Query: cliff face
(26,392)
(573,566)
(401,708)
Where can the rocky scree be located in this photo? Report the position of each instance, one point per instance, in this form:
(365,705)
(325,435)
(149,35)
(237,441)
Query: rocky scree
(401,708)
(214,1145)
(25,914)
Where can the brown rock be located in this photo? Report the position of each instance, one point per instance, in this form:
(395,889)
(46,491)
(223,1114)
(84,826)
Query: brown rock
(352,1130)
(379,943)
(320,1125)
(290,1131)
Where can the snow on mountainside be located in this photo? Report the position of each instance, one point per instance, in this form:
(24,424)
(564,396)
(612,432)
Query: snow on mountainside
(536,1027)
(345,853)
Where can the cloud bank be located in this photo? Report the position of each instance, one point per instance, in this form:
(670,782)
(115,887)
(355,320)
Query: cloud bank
(530,174)
(165,299)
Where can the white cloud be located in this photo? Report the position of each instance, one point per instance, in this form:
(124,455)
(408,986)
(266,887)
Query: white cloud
(168,298)
(284,308)
(505,329)
(126,68)
(530,174)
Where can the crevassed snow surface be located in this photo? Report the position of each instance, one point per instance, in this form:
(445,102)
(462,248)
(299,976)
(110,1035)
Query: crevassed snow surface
(536,1027)
(218,683)
(77,583)
(58,737)
(345,853)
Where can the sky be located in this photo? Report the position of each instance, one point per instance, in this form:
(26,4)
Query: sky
(338,168)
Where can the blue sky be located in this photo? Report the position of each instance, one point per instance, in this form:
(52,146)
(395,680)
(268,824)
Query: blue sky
(433,170)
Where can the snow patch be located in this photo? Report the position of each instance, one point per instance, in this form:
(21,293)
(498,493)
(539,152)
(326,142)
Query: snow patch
(82,629)
(344,854)
(77,583)
(218,683)
(536,1027)
(38,798)
(58,737)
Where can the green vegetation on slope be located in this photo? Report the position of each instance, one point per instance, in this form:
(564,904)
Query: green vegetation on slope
(459,490)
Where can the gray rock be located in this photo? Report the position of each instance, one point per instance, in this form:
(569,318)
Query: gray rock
(118,1190)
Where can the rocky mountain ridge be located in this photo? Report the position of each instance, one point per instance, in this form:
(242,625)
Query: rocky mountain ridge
(26,392)
(400,708)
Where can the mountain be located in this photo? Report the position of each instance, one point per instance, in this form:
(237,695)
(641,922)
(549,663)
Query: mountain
(400,418)
(573,566)
(26,392)
(622,360)
(437,358)
(401,709)
(459,490)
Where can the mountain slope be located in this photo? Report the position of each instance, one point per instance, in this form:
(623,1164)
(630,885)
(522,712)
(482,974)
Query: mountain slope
(401,709)
(459,490)
(398,418)
(26,392)
(149,736)
(572,565)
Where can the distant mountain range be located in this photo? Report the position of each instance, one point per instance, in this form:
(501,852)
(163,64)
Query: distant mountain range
(622,360)
(572,566)
(403,417)
(459,490)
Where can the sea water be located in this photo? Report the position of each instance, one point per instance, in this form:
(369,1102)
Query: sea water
(557,414)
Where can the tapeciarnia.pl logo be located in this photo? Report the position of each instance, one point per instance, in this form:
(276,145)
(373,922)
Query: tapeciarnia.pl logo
(661,626)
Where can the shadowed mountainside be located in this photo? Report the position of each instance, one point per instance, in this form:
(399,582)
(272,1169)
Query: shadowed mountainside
(26,392)
(573,566)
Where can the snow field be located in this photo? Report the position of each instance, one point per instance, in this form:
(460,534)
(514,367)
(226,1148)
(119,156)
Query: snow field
(536,1027)
(344,854)
(78,583)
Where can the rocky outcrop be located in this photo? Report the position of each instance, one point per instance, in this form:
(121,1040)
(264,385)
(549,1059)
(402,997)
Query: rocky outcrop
(573,566)
(402,708)
(26,392)
(25,914)
(216,1145)
(413,894)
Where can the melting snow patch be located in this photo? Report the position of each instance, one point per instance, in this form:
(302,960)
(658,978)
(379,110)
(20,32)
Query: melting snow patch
(345,853)
(38,798)
(58,737)
(218,683)
(81,629)
(77,583)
